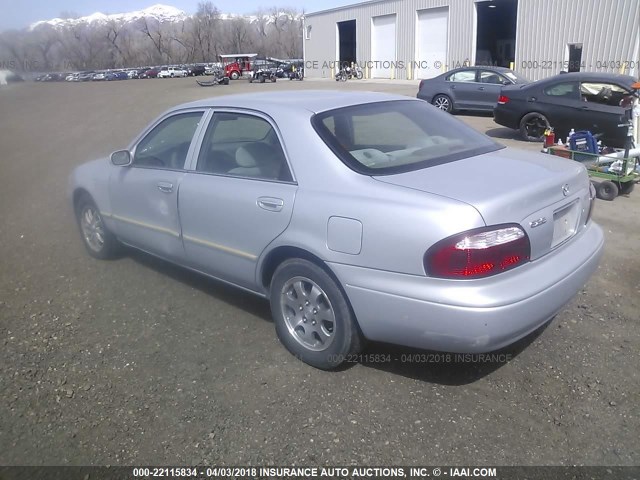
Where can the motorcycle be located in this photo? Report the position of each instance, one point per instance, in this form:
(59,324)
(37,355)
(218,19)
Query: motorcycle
(346,73)
(296,74)
(343,74)
(262,75)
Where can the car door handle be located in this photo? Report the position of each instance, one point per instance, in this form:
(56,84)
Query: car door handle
(531,99)
(270,203)
(453,87)
(584,107)
(480,88)
(165,187)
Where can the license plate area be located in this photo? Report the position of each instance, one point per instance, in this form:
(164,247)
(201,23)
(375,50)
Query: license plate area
(565,223)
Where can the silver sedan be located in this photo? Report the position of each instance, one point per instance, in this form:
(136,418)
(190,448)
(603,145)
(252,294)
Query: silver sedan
(358,215)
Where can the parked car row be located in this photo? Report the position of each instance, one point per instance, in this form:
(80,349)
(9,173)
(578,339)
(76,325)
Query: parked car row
(166,71)
(581,100)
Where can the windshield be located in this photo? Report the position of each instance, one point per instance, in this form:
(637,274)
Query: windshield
(398,136)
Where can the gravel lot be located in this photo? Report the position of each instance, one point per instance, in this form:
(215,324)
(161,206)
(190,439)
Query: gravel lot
(135,361)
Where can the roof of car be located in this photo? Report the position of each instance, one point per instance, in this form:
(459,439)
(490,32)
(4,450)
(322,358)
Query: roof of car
(598,76)
(314,101)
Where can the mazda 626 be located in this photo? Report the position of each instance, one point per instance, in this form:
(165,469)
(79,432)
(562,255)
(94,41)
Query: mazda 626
(359,216)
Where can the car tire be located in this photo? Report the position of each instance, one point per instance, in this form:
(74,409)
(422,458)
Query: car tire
(443,102)
(532,127)
(625,188)
(234,75)
(98,240)
(273,79)
(606,190)
(320,328)
(262,80)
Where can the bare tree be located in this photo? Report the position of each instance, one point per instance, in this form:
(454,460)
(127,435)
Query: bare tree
(113,30)
(206,31)
(152,29)
(202,37)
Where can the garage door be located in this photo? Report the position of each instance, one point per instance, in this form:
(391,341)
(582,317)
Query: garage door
(431,41)
(383,45)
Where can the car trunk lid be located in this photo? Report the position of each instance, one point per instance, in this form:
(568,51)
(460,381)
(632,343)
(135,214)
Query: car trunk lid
(548,196)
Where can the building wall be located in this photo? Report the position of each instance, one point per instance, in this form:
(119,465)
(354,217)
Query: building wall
(321,46)
(608,29)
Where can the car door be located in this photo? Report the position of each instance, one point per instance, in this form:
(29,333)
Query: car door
(238,198)
(560,103)
(601,107)
(144,195)
(489,86)
(462,87)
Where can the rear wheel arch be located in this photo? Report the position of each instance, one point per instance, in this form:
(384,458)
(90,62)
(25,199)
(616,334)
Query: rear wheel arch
(440,97)
(293,259)
(283,253)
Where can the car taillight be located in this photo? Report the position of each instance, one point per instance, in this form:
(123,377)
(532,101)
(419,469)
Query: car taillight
(502,99)
(478,253)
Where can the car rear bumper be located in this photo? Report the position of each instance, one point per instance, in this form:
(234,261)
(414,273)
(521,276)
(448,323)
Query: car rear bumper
(505,118)
(473,316)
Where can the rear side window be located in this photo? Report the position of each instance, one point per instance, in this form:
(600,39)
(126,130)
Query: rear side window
(565,90)
(243,145)
(392,137)
(463,76)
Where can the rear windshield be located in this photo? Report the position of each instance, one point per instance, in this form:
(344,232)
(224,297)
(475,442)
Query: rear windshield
(398,136)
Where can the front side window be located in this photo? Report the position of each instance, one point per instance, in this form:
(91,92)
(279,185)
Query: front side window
(398,136)
(463,76)
(167,145)
(566,90)
(243,145)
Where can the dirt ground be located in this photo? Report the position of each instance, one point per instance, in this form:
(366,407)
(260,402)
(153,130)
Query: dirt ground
(135,361)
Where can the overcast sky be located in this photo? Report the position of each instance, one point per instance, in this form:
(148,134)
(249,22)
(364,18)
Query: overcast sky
(21,13)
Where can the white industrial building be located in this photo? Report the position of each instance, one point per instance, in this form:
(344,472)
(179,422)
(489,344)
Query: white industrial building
(414,39)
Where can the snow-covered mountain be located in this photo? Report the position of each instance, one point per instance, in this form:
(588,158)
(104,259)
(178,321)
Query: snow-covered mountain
(162,13)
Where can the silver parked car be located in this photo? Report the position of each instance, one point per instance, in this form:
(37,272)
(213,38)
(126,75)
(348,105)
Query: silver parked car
(468,88)
(358,215)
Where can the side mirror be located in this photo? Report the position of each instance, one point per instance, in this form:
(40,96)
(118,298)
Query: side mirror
(121,158)
(506,82)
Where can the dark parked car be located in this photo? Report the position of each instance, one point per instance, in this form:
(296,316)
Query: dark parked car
(581,100)
(117,76)
(196,70)
(468,88)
